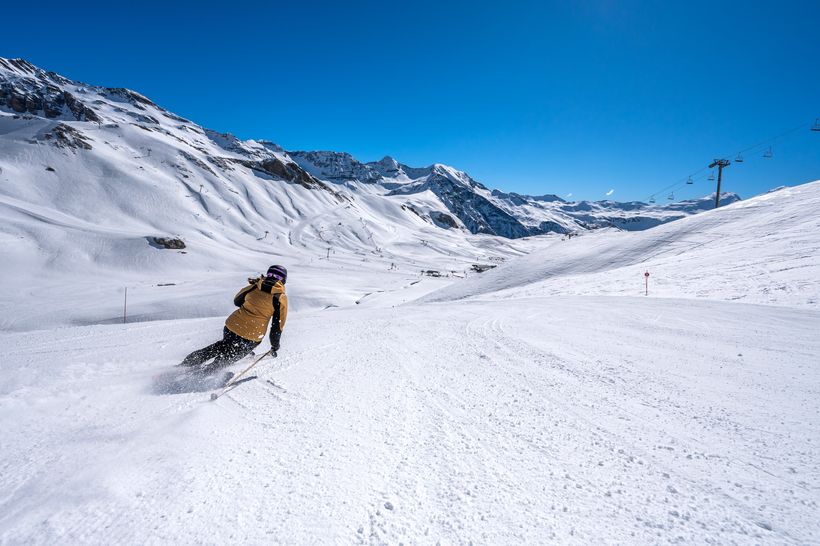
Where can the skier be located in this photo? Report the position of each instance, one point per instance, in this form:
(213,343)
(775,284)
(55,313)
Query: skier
(262,300)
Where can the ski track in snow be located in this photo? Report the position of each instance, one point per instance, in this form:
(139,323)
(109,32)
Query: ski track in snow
(483,422)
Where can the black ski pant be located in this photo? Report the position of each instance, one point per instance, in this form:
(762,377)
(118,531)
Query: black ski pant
(224,352)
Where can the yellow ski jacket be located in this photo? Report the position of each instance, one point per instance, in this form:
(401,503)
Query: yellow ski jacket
(259,302)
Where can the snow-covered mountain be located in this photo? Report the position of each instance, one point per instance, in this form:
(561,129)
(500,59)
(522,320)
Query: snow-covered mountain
(761,250)
(116,148)
(481,210)
(94,182)
(97,180)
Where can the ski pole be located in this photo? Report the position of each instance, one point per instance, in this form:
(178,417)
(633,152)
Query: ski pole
(235,378)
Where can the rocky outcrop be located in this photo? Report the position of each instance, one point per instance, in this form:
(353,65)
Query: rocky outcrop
(170,243)
(517,199)
(443,220)
(43,100)
(29,89)
(131,97)
(289,172)
(65,136)
(476,212)
(336,166)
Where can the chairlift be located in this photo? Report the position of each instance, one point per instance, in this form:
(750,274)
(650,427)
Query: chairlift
(768,153)
(690,181)
(652,199)
(712,175)
(739,158)
(671,196)
(816,126)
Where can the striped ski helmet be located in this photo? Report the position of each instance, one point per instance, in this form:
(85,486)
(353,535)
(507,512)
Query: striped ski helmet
(277,272)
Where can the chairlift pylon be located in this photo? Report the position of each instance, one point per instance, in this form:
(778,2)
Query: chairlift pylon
(739,158)
(768,153)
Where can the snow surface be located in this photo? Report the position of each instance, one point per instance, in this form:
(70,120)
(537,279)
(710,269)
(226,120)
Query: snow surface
(573,419)
(511,418)
(544,400)
(763,250)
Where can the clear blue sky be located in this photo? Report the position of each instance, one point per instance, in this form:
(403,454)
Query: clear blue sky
(563,97)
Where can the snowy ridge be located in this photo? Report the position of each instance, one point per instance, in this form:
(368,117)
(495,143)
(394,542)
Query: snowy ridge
(480,210)
(763,250)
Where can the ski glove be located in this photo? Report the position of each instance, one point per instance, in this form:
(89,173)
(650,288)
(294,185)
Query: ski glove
(274,339)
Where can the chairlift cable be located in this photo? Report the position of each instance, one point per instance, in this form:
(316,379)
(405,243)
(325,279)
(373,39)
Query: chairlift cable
(769,141)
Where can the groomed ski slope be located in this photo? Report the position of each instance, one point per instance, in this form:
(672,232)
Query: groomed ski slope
(568,419)
(489,417)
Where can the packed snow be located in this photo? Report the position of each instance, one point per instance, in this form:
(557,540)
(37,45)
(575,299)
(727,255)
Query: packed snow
(576,419)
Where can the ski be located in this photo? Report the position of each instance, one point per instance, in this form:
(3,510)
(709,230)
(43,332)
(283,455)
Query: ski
(281,388)
(234,381)
(228,386)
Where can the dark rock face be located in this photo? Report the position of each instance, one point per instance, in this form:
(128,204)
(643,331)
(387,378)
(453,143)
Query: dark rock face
(444,220)
(36,98)
(552,227)
(31,90)
(289,172)
(336,166)
(518,199)
(198,162)
(131,97)
(65,136)
(411,208)
(171,243)
(80,111)
(36,91)
(478,214)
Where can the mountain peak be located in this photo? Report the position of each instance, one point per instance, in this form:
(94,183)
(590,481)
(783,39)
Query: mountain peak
(387,167)
(20,66)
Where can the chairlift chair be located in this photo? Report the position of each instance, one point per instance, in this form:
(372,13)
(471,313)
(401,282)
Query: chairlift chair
(712,175)
(690,181)
(768,153)
(652,199)
(671,196)
(739,158)
(816,126)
